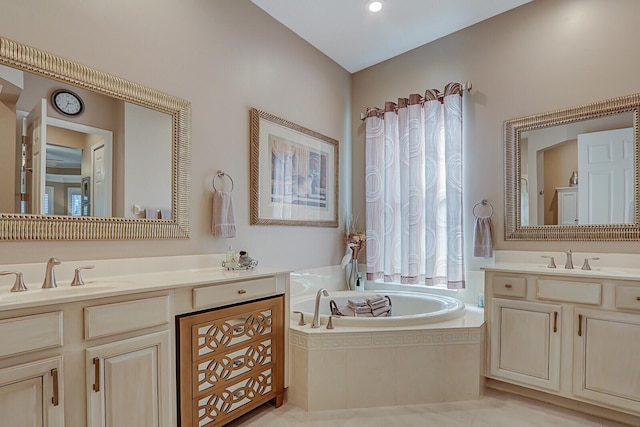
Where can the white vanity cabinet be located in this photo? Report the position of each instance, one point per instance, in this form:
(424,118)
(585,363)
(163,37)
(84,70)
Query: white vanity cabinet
(576,336)
(31,394)
(605,357)
(527,350)
(128,380)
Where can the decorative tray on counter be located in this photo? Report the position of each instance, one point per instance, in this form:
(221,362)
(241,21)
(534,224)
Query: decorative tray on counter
(235,266)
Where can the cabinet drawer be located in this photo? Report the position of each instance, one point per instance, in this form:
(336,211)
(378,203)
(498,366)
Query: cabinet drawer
(224,369)
(216,295)
(569,291)
(29,333)
(510,286)
(628,297)
(223,404)
(110,319)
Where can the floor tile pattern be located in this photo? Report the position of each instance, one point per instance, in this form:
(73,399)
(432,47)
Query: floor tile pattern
(494,409)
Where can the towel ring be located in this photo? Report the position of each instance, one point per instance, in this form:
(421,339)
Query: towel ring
(483,203)
(221,175)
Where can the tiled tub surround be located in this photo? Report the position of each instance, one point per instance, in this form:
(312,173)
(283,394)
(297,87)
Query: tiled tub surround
(566,336)
(356,367)
(124,317)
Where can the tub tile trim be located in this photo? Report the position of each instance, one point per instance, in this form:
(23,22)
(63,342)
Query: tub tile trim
(351,340)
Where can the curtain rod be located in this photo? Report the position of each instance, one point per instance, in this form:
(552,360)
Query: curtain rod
(466,87)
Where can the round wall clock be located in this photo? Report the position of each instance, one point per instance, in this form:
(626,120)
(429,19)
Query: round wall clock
(67,103)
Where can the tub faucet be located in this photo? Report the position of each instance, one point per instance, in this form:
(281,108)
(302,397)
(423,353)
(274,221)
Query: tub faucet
(316,313)
(50,277)
(569,264)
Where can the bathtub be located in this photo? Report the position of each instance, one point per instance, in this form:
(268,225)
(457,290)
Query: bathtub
(409,308)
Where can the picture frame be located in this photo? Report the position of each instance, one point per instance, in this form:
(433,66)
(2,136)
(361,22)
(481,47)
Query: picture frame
(293,174)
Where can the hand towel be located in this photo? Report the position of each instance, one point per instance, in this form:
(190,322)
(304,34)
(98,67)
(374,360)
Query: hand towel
(381,312)
(379,304)
(151,213)
(482,237)
(375,298)
(223,222)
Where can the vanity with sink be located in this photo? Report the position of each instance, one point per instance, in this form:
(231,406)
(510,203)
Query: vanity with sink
(569,333)
(114,351)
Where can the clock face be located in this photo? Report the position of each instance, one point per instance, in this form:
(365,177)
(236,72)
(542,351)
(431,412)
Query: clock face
(67,103)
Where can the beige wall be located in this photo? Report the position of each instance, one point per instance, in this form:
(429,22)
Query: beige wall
(225,57)
(545,55)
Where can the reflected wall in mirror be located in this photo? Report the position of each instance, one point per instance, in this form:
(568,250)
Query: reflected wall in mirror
(118,170)
(573,174)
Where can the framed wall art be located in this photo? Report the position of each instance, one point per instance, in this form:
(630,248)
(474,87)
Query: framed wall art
(294,174)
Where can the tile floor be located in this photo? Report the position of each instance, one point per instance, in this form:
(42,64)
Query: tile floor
(495,409)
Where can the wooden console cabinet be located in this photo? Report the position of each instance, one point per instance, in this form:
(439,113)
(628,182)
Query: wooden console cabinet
(231,360)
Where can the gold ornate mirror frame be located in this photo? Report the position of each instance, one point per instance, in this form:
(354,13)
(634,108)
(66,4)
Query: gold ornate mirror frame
(513,129)
(41,227)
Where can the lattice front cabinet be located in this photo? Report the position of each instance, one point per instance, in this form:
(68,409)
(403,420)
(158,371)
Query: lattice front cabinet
(231,361)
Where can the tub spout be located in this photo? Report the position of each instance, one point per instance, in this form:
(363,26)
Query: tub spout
(316,313)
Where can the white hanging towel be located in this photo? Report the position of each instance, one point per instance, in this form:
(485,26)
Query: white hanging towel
(482,237)
(223,222)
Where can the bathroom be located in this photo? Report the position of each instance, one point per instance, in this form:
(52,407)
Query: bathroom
(218,55)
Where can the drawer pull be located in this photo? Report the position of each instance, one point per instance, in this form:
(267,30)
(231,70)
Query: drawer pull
(242,291)
(508,286)
(237,363)
(96,365)
(238,329)
(55,400)
(637,298)
(238,394)
(579,325)
(555,321)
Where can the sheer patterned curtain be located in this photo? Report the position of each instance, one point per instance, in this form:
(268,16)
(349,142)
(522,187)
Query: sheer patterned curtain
(414,190)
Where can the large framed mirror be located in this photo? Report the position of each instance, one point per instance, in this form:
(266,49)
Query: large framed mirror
(87,155)
(573,174)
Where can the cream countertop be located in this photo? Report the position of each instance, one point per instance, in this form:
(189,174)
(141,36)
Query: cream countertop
(120,277)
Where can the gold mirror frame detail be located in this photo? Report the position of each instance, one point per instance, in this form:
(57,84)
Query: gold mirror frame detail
(512,132)
(41,227)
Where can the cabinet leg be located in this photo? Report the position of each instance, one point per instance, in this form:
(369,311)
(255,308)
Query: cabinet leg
(279,400)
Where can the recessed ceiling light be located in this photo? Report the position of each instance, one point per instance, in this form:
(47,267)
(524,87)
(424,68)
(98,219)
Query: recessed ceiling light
(375,6)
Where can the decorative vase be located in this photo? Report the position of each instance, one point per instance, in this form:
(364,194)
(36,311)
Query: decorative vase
(573,181)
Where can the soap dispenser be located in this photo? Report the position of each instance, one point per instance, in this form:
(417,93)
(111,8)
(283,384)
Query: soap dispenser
(231,256)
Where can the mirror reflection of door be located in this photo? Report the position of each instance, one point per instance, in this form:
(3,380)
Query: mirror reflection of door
(37,136)
(605,164)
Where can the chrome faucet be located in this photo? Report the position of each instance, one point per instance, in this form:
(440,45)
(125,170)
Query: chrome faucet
(316,313)
(569,264)
(50,277)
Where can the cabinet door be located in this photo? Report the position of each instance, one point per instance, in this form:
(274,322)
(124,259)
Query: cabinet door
(31,394)
(129,382)
(606,348)
(525,343)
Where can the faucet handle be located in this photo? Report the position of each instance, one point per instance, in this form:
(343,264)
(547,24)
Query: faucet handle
(552,262)
(77,280)
(18,285)
(330,323)
(586,265)
(301,322)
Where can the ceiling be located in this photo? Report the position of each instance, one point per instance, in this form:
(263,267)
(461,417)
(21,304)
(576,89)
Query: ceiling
(355,38)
